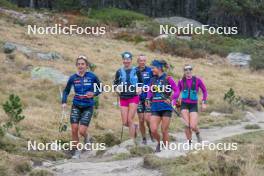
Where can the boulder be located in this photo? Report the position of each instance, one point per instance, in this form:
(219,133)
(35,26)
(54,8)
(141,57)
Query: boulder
(49,56)
(239,59)
(9,47)
(50,74)
(116,150)
(250,102)
(179,21)
(261,101)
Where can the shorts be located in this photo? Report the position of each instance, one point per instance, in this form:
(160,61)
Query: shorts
(142,108)
(192,107)
(163,113)
(81,115)
(125,102)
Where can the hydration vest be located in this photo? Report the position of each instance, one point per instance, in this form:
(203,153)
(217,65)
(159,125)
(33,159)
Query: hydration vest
(163,95)
(189,93)
(133,79)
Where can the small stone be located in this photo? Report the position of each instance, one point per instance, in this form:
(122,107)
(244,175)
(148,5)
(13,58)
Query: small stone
(9,47)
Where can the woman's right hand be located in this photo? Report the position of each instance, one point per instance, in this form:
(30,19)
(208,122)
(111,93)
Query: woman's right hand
(147,103)
(64,105)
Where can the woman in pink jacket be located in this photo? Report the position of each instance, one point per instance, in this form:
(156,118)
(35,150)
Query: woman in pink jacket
(189,87)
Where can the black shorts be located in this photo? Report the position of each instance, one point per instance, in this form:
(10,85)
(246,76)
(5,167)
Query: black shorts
(191,107)
(142,108)
(164,113)
(81,115)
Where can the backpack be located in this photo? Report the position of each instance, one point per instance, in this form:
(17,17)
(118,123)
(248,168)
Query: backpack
(189,92)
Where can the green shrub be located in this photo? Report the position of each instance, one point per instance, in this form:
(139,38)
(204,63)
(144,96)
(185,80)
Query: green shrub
(141,150)
(200,45)
(64,5)
(231,98)
(85,21)
(257,62)
(23,167)
(252,126)
(129,37)
(40,172)
(177,47)
(108,138)
(13,109)
(117,17)
(150,27)
(3,170)
(8,5)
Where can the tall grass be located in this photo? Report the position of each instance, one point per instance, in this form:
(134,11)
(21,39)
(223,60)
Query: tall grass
(118,17)
(200,45)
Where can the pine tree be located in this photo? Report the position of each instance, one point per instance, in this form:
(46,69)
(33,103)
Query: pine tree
(13,109)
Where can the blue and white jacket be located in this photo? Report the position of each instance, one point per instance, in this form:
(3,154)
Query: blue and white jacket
(82,85)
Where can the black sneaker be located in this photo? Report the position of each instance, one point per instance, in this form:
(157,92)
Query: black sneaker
(88,143)
(144,141)
(190,142)
(199,139)
(151,137)
(158,148)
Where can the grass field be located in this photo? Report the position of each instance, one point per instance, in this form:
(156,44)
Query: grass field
(41,97)
(246,160)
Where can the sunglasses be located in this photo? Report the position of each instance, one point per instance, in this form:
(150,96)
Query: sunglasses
(188,69)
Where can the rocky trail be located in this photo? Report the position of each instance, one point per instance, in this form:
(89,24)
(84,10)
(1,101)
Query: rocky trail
(88,165)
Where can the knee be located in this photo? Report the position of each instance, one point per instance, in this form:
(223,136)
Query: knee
(82,132)
(130,122)
(141,120)
(154,130)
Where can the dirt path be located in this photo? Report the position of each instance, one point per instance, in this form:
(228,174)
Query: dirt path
(133,167)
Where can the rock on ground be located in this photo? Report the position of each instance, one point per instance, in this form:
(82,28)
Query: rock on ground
(50,74)
(178,21)
(261,101)
(239,59)
(10,47)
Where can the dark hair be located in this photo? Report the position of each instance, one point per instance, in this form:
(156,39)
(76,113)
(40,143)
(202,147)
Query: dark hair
(82,58)
(165,65)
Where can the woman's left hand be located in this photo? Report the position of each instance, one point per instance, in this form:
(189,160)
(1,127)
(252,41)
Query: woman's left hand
(139,90)
(90,95)
(204,106)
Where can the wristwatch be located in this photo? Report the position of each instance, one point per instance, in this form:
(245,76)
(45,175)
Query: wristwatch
(204,102)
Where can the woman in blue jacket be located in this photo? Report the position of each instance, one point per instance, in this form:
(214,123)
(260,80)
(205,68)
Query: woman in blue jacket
(83,102)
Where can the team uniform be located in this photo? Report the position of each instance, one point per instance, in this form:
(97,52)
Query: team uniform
(82,107)
(159,106)
(189,89)
(146,74)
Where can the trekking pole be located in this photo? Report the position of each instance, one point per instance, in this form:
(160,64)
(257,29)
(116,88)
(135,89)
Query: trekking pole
(62,127)
(174,110)
(121,137)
